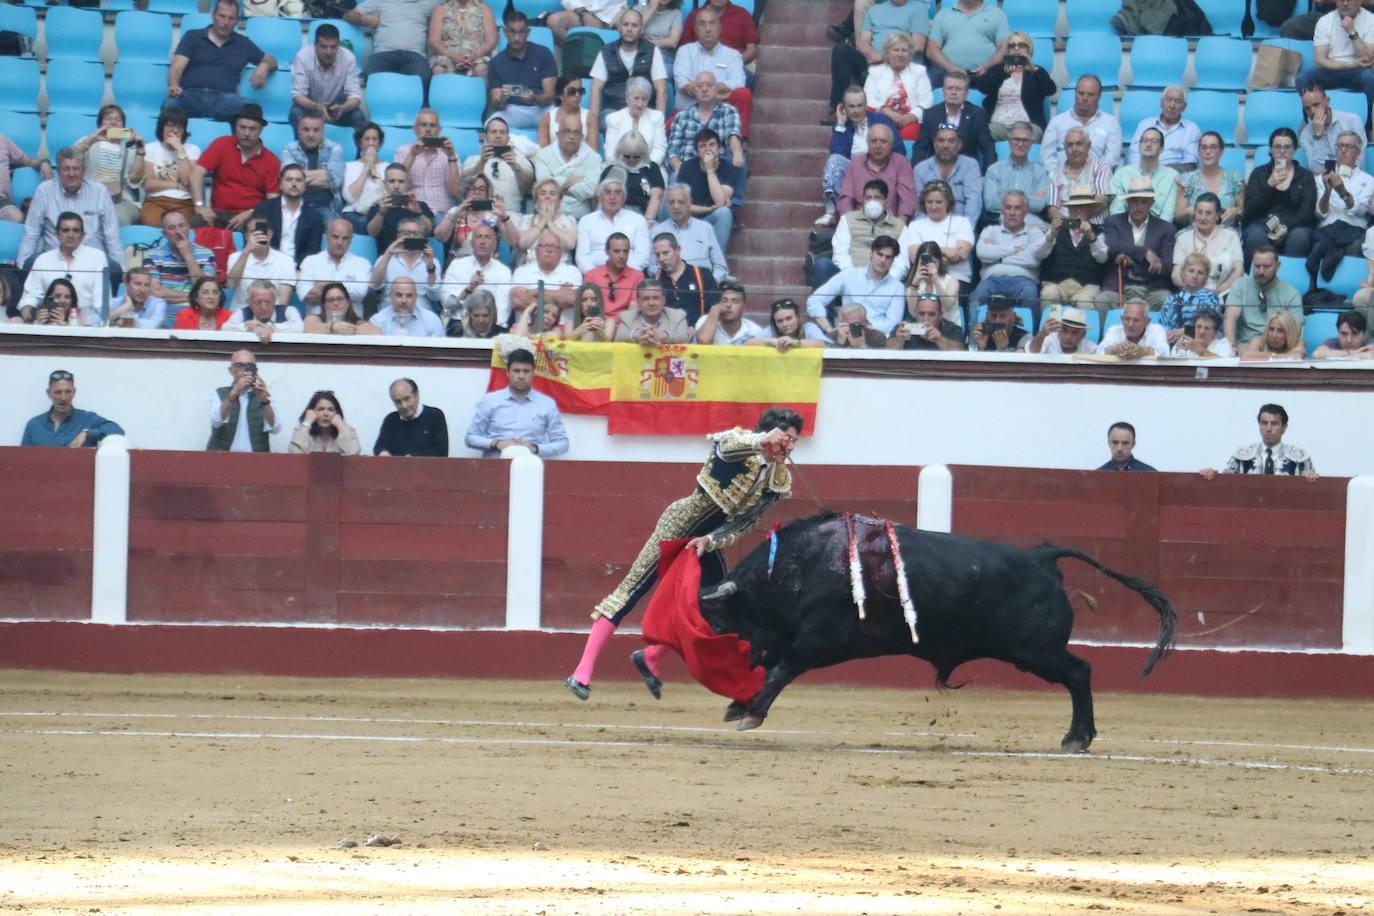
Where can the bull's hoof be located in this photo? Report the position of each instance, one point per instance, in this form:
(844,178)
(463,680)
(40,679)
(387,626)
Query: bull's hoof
(650,679)
(579,689)
(1075,745)
(749,721)
(735,711)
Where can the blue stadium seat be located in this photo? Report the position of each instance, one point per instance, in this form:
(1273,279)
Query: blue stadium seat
(1318,328)
(1135,106)
(1004,151)
(393,98)
(143,36)
(64,128)
(1094,321)
(1042,54)
(1222,63)
(465,141)
(1113,319)
(348,32)
(364,246)
(1212,110)
(274,96)
(21,19)
(205,130)
(175,7)
(279,37)
(1348,275)
(536,8)
(1089,18)
(19,76)
(73,34)
(1158,60)
(1095,54)
(76,85)
(139,235)
(1353,102)
(23,183)
(24,130)
(458,99)
(1304,48)
(1034,17)
(11,234)
(139,88)
(196,20)
(1233,157)
(276,136)
(116,6)
(1268,109)
(1294,272)
(1223,15)
(540,35)
(343,136)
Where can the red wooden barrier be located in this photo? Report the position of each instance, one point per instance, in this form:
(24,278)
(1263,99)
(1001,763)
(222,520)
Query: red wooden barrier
(46,499)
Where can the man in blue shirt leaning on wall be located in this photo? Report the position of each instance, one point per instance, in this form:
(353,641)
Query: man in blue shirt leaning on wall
(64,425)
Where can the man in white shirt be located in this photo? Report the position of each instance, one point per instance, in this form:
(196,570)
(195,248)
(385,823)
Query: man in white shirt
(561,279)
(402,319)
(1066,333)
(336,264)
(1137,336)
(83,265)
(264,315)
(694,236)
(1343,196)
(1343,49)
(1103,130)
(480,270)
(724,324)
(260,261)
(407,257)
(1180,135)
(611,217)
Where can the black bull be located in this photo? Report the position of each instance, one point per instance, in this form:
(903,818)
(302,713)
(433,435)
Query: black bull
(973,599)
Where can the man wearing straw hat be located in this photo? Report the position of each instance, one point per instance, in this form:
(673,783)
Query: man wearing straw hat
(1140,252)
(1072,271)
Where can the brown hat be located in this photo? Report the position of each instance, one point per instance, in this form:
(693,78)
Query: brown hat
(250,111)
(1139,187)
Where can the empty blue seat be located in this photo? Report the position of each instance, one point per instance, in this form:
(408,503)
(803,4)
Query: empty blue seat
(24,131)
(458,99)
(143,36)
(175,7)
(19,76)
(139,235)
(1212,110)
(73,34)
(205,130)
(139,88)
(76,85)
(23,183)
(393,98)
(21,19)
(1223,15)
(1089,17)
(64,128)
(1158,60)
(195,20)
(1353,102)
(1113,319)
(1222,63)
(1233,157)
(1294,272)
(276,136)
(341,135)
(542,35)
(1135,106)
(1318,328)
(537,8)
(279,37)
(364,246)
(11,234)
(1267,110)
(1098,55)
(1348,276)
(465,141)
(1034,17)
(274,96)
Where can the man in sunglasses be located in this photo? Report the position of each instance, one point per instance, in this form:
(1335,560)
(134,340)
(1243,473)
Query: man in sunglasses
(62,424)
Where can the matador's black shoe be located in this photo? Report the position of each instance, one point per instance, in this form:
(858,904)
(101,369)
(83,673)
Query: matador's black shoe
(579,689)
(650,679)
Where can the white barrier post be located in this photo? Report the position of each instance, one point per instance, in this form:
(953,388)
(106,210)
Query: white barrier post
(525,539)
(1357,629)
(110,543)
(935,499)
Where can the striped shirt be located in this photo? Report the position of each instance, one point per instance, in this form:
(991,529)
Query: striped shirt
(724,120)
(428,176)
(1096,174)
(169,270)
(91,201)
(331,86)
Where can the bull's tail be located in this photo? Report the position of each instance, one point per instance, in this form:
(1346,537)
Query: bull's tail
(1168,618)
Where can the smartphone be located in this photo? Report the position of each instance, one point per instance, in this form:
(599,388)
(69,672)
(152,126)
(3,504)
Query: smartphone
(1015,60)
(1330,165)
(432,142)
(1190,330)
(499,151)
(399,200)
(414,244)
(118,133)
(992,327)
(926,260)
(1056,312)
(479,205)
(593,311)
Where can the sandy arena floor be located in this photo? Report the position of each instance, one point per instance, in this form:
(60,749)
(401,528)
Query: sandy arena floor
(231,795)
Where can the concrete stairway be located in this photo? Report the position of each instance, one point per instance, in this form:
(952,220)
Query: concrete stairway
(787,149)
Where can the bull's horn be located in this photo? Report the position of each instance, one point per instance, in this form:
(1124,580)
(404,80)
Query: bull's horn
(724,590)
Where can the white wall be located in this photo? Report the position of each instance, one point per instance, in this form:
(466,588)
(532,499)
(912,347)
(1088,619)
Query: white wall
(163,402)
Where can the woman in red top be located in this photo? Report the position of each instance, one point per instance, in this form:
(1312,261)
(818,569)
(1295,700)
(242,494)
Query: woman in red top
(205,310)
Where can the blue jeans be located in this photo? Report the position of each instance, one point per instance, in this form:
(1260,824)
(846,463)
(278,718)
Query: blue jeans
(207,103)
(722,221)
(1026,292)
(407,62)
(823,269)
(355,118)
(1360,79)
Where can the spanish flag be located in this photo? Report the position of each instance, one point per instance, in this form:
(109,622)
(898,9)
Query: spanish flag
(576,375)
(687,389)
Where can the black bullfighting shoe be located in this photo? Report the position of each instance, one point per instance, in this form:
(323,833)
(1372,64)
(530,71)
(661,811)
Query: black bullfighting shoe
(650,679)
(579,690)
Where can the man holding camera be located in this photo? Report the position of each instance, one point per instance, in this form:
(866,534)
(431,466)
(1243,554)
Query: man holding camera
(399,203)
(1072,271)
(260,261)
(1064,330)
(999,331)
(431,164)
(62,424)
(1343,194)
(479,270)
(930,330)
(241,414)
(409,255)
(297,229)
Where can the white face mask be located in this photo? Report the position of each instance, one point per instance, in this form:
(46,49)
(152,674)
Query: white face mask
(873,209)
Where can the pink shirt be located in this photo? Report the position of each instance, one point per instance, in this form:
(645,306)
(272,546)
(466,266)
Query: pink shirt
(901,188)
(428,177)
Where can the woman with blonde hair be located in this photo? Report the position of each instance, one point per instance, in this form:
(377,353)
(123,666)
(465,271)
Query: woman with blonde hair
(1281,339)
(643,179)
(1016,89)
(899,88)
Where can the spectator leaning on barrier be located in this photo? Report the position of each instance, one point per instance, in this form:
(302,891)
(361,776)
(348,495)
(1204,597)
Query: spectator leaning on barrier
(263,314)
(1000,331)
(1271,455)
(138,307)
(1136,337)
(1064,330)
(403,318)
(324,81)
(724,323)
(338,315)
(1121,442)
(517,415)
(413,428)
(929,329)
(65,425)
(651,323)
(241,414)
(479,318)
(1350,341)
(788,328)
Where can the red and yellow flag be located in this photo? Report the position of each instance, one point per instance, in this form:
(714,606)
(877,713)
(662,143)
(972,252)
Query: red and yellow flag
(675,389)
